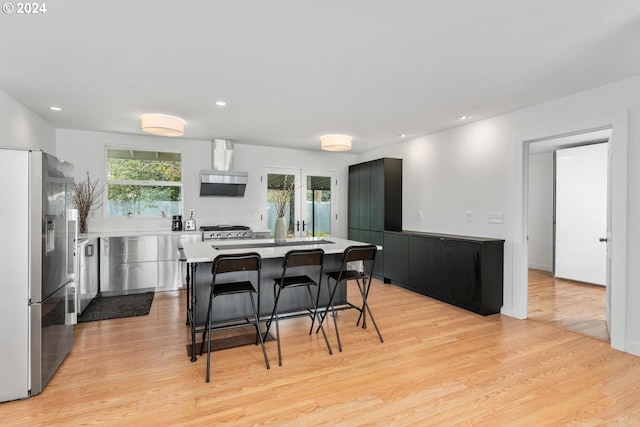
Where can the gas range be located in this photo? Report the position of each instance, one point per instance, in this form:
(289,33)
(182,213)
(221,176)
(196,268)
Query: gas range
(217,232)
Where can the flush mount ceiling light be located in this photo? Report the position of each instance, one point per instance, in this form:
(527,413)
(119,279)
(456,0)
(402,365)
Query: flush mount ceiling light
(336,142)
(162,124)
(55,108)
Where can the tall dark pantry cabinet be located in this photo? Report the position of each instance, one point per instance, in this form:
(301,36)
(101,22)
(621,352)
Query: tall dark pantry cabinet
(375,203)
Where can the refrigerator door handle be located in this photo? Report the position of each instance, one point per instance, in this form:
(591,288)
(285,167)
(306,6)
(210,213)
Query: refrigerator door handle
(70,304)
(72,243)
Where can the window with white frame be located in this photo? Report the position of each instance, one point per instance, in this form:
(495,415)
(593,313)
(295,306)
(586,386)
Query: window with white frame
(143,182)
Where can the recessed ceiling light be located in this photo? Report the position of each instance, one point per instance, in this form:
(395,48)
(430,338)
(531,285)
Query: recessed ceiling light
(221,103)
(402,135)
(461,117)
(54,108)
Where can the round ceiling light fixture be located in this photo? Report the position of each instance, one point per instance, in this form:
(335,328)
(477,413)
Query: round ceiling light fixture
(336,142)
(162,125)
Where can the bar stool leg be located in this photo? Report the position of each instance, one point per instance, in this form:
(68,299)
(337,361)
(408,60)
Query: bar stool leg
(206,329)
(364,291)
(208,343)
(333,312)
(257,325)
(315,313)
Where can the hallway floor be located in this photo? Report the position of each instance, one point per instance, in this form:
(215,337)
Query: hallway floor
(577,307)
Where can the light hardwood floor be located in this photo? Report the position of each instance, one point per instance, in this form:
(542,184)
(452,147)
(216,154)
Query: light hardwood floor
(439,365)
(574,306)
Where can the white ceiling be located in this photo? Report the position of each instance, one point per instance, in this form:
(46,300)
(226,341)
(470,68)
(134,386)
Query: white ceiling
(293,70)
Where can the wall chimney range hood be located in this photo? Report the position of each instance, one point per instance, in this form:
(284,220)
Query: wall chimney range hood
(221,180)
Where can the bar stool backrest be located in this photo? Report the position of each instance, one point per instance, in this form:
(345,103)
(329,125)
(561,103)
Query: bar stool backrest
(360,253)
(302,257)
(228,263)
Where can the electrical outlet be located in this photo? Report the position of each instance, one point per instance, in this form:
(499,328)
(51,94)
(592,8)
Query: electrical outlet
(495,217)
(469,216)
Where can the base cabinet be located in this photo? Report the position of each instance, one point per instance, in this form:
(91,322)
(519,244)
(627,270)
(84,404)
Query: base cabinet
(396,261)
(148,262)
(463,271)
(424,262)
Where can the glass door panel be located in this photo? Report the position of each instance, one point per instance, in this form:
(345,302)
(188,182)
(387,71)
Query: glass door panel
(305,197)
(319,209)
(281,199)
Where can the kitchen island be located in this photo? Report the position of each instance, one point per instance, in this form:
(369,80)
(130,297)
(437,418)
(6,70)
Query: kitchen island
(199,257)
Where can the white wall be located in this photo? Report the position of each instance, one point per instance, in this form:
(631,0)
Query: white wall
(541,211)
(478,167)
(86,150)
(20,127)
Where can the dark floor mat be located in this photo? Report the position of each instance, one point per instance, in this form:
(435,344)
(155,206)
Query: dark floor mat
(113,307)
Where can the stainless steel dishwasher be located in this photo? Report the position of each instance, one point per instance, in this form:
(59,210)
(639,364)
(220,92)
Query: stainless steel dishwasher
(128,264)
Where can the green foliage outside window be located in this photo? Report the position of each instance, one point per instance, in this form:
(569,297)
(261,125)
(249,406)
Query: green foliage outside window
(144,182)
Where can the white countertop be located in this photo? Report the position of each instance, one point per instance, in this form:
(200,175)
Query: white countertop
(133,233)
(205,251)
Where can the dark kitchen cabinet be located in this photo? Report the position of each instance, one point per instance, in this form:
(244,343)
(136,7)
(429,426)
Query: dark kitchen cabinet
(377,238)
(375,195)
(472,274)
(375,204)
(396,258)
(364,196)
(424,262)
(463,271)
(386,194)
(354,191)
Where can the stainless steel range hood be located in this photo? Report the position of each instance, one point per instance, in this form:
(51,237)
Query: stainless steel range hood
(221,180)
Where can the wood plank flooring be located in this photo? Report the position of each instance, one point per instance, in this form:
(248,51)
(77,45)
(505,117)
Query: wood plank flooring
(574,306)
(439,365)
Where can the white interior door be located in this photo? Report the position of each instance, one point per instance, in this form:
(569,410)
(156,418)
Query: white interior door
(581,213)
(607,243)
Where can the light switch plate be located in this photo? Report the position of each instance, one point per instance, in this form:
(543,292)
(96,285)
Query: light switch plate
(495,217)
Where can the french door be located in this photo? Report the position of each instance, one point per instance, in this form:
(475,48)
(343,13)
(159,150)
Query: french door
(309,197)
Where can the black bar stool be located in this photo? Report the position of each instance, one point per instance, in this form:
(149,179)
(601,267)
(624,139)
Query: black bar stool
(292,260)
(354,254)
(244,262)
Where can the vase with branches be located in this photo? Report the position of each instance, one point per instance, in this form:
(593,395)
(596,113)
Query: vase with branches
(87,196)
(281,198)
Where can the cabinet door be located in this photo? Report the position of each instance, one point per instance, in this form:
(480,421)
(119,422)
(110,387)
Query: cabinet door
(396,257)
(352,234)
(354,196)
(364,196)
(135,275)
(424,264)
(377,195)
(460,271)
(377,238)
(364,236)
(392,194)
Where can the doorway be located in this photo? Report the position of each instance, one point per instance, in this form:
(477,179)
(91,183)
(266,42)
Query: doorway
(310,210)
(567,209)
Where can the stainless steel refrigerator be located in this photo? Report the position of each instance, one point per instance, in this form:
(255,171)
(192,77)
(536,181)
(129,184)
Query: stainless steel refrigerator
(38,269)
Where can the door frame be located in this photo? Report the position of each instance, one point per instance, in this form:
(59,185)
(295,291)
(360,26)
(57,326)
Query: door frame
(518,299)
